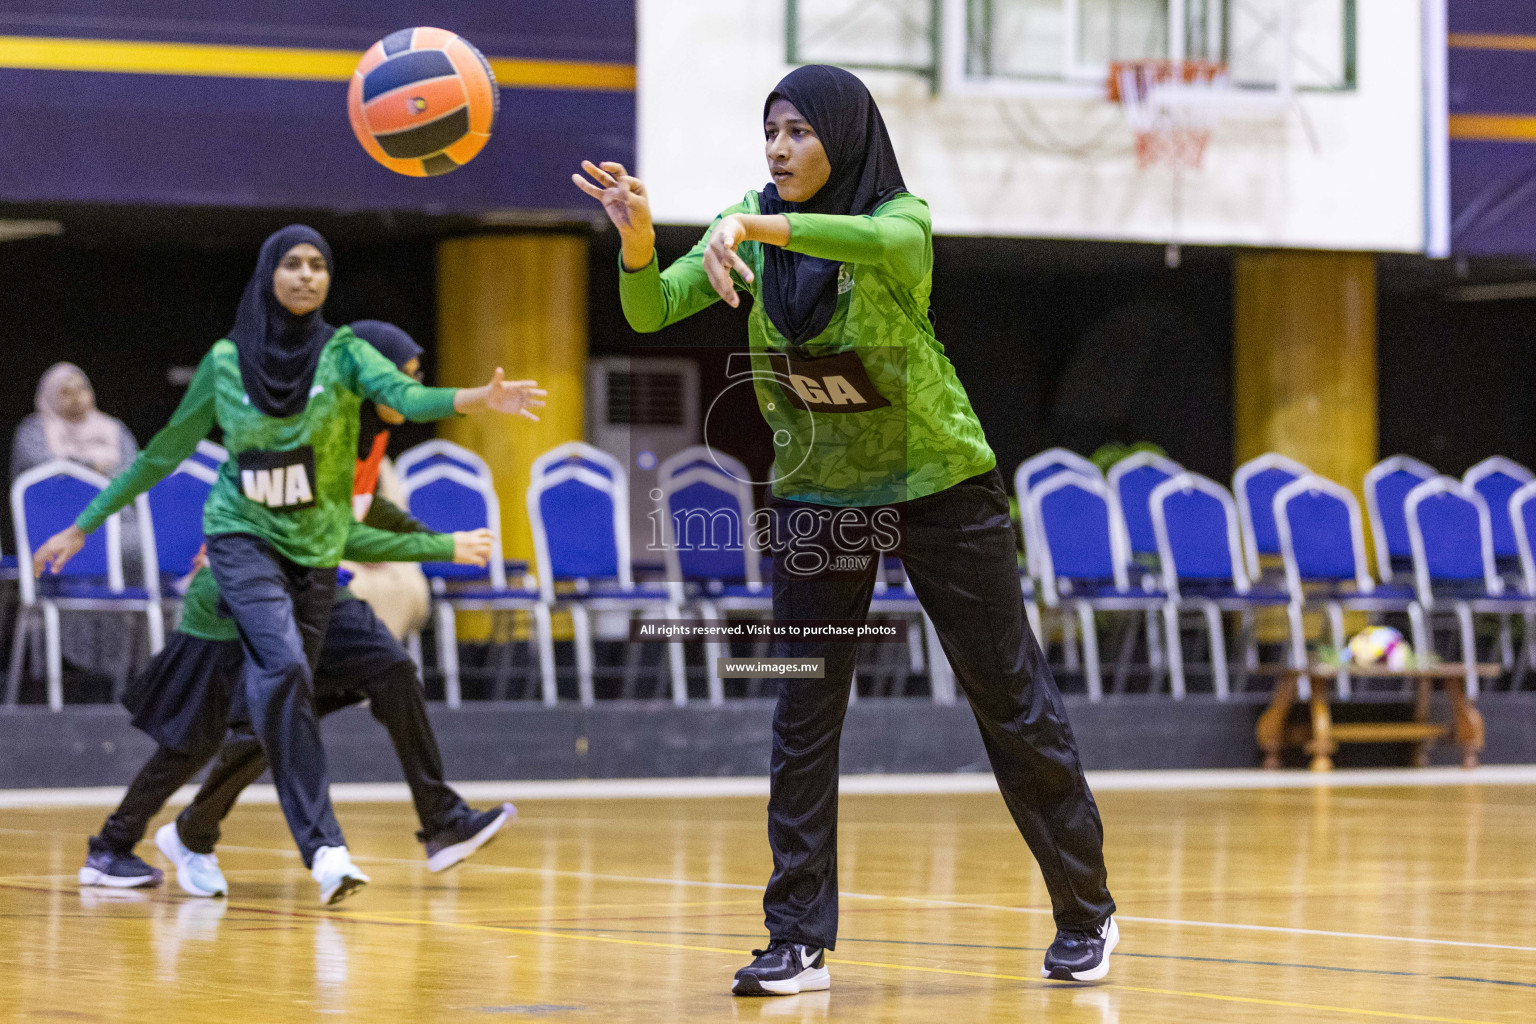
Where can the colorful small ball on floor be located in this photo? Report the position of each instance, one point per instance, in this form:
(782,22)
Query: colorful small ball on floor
(1380,645)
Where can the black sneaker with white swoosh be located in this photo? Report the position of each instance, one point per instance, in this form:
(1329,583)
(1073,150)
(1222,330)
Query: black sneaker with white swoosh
(783,969)
(1081,956)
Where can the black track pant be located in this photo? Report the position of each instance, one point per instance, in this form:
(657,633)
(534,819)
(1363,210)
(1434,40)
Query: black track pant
(360,658)
(958,549)
(282,609)
(163,774)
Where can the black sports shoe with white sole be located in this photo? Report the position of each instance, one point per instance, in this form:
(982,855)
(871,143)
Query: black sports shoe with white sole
(113,870)
(465,836)
(783,969)
(1081,956)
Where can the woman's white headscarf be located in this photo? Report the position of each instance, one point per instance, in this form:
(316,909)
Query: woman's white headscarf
(92,441)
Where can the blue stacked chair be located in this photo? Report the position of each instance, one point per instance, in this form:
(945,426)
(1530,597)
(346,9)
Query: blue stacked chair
(449,498)
(1386,489)
(1255,485)
(1032,472)
(440,452)
(705,525)
(1085,563)
(1451,536)
(177,505)
(578,505)
(1322,541)
(1133,479)
(1522,515)
(1497,479)
(44,500)
(1195,521)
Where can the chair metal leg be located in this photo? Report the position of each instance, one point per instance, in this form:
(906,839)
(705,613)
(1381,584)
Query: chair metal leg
(714,650)
(1218,651)
(1128,630)
(1522,663)
(1418,625)
(1175,650)
(19,639)
(1468,645)
(1069,656)
(1506,644)
(1293,612)
(581,634)
(503,629)
(1032,615)
(1156,663)
(544,636)
(1250,640)
(448,653)
(413,648)
(1091,667)
(632,657)
(1336,625)
(677,663)
(941,674)
(123,668)
(1530,638)
(53,656)
(156,616)
(915,661)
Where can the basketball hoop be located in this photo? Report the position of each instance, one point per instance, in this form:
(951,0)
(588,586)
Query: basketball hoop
(1171,105)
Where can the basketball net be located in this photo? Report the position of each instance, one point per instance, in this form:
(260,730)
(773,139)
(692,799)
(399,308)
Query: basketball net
(1171,105)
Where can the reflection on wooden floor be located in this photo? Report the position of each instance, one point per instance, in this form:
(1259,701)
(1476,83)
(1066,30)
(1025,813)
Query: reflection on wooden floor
(1237,906)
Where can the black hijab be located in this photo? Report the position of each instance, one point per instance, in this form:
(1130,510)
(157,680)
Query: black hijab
(399,348)
(393,343)
(279,351)
(800,292)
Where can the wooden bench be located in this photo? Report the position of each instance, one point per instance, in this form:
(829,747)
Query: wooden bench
(1321,737)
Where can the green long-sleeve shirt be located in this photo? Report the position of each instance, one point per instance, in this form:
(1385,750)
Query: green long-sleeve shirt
(387,534)
(288,480)
(870,411)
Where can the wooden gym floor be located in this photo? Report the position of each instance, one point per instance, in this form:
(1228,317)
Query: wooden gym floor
(1294,905)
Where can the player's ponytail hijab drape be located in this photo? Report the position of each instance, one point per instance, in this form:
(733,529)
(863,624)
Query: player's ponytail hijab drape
(800,292)
(278,350)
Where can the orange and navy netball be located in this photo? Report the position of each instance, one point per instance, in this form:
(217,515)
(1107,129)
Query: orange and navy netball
(423,101)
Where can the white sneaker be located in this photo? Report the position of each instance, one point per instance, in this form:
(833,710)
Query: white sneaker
(198,874)
(337,875)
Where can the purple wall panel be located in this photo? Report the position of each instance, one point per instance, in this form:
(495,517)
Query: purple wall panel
(1493,182)
(167,139)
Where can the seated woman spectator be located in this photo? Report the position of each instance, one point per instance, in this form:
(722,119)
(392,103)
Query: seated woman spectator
(67,425)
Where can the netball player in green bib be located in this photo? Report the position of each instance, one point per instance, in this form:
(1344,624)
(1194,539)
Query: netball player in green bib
(876,447)
(285,387)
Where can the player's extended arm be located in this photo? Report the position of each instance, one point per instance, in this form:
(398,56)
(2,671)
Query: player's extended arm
(378,380)
(895,238)
(384,514)
(654,298)
(367,544)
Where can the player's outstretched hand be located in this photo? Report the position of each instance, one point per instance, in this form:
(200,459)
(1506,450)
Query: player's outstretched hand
(57,550)
(472,547)
(720,258)
(624,200)
(621,193)
(513,397)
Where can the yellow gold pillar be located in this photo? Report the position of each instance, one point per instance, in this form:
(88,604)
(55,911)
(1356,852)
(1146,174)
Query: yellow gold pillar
(1304,360)
(518,302)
